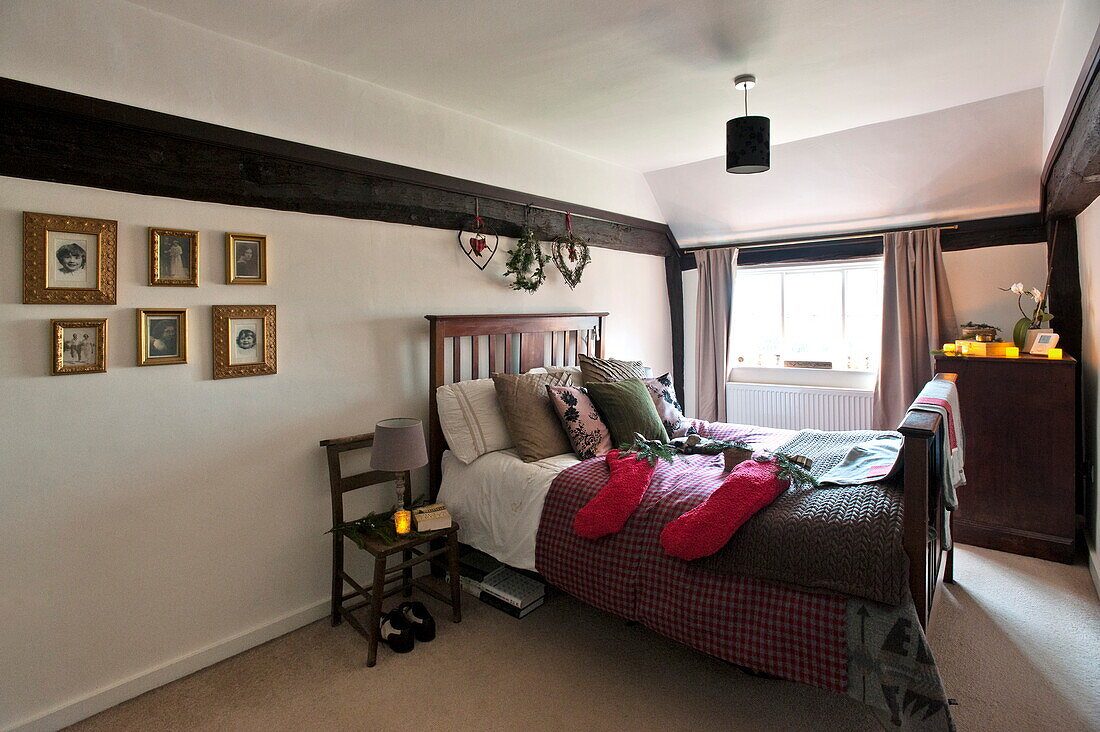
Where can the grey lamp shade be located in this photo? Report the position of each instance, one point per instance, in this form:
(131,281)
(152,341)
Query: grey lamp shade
(398,445)
(748,141)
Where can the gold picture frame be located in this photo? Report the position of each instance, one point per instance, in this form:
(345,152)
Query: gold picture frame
(245,259)
(244,340)
(79,346)
(162,337)
(68,260)
(173,257)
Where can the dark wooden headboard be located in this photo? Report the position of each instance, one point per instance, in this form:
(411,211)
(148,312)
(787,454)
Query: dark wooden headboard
(511,344)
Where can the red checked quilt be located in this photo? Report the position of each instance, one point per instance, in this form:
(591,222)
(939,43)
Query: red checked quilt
(866,649)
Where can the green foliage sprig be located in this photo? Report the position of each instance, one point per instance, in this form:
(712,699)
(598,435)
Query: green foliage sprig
(654,450)
(649,450)
(526,263)
(375,524)
(792,471)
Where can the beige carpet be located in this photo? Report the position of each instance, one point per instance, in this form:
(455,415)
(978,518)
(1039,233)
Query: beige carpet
(1017,641)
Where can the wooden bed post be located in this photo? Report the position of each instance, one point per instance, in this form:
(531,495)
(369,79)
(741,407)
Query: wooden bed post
(919,429)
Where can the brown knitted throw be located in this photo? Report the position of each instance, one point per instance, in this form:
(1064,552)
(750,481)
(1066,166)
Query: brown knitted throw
(841,538)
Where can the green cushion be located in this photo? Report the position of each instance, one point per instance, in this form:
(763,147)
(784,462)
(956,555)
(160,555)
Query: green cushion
(627,408)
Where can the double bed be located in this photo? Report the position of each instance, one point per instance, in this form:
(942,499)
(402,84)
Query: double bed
(803,631)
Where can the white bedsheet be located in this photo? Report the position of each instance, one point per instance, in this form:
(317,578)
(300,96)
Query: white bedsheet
(497,501)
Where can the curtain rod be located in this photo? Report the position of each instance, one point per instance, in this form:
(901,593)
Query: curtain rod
(814,240)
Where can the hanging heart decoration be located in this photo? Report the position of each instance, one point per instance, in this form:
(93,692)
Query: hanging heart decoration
(570,253)
(475,243)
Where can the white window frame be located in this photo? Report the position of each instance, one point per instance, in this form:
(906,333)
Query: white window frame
(863,380)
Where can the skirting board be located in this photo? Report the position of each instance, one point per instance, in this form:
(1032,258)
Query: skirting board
(105,698)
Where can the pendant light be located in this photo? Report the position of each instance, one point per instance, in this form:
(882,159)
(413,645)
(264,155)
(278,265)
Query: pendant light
(748,137)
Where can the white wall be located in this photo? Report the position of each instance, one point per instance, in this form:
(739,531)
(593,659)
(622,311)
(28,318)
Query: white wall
(148,513)
(974,277)
(1077,29)
(1088,247)
(975,161)
(125,53)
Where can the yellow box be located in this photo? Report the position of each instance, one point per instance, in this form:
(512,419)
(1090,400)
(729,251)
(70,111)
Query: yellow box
(979,348)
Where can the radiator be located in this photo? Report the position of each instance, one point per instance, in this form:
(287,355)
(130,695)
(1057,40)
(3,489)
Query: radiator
(798,407)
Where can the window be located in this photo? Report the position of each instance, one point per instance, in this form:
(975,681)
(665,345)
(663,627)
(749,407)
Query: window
(823,313)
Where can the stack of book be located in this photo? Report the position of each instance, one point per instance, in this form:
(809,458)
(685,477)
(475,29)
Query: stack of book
(512,592)
(473,567)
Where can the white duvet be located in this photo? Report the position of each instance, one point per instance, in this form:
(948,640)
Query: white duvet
(497,501)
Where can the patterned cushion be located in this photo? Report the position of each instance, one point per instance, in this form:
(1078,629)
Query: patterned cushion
(587,432)
(610,369)
(670,411)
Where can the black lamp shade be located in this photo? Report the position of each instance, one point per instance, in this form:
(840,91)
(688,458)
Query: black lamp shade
(748,142)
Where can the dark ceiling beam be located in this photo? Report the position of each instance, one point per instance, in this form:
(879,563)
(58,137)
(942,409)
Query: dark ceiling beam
(1071,176)
(51,135)
(973,234)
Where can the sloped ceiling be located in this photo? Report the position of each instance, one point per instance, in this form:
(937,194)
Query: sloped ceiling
(974,161)
(646,83)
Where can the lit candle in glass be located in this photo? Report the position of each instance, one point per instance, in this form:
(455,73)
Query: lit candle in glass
(949,348)
(402,521)
(1012,352)
(1054,353)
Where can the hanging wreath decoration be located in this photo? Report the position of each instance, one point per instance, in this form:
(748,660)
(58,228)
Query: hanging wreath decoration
(478,241)
(570,253)
(526,263)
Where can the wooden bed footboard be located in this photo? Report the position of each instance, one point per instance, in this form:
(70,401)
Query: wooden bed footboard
(923,508)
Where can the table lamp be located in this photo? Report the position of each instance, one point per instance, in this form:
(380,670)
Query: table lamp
(398,448)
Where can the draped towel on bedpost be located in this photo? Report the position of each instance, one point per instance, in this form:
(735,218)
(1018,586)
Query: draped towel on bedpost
(917,317)
(717,270)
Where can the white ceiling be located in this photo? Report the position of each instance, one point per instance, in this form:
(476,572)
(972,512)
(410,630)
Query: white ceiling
(646,83)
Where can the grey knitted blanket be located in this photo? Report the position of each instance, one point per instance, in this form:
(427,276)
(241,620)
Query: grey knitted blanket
(845,538)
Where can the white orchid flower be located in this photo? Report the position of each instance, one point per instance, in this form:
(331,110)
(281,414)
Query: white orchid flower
(1018,288)
(1036,295)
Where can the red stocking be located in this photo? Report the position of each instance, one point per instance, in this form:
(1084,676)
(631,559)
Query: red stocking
(611,507)
(706,528)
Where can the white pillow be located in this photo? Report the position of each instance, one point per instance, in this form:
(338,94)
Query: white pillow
(470,416)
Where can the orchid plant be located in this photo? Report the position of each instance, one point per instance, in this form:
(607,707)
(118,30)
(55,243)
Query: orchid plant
(1039,315)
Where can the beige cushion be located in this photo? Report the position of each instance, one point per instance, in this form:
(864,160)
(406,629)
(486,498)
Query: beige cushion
(573,372)
(532,422)
(610,369)
(470,416)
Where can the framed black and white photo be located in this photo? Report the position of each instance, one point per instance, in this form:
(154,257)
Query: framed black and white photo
(162,337)
(79,346)
(173,257)
(244,340)
(68,260)
(245,259)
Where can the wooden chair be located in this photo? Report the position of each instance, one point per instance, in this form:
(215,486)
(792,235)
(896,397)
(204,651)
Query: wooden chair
(414,550)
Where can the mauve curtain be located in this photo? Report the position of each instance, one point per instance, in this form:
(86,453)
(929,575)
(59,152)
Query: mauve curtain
(917,316)
(717,268)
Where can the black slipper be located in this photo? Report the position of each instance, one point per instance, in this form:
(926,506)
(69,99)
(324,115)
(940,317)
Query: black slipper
(396,632)
(422,622)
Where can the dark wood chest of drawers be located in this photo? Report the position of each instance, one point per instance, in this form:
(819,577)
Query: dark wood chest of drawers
(1019,416)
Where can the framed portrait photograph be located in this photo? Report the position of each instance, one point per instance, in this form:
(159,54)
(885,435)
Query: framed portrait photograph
(162,337)
(245,259)
(244,340)
(68,260)
(173,257)
(79,346)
